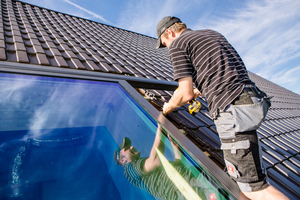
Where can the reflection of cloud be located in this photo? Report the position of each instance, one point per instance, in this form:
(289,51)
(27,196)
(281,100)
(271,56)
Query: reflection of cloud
(62,107)
(74,105)
(10,92)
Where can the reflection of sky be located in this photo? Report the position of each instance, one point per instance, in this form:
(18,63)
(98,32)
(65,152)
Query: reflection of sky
(55,112)
(48,109)
(33,104)
(42,103)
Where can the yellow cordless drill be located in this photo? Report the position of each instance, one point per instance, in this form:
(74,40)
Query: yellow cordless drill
(194,106)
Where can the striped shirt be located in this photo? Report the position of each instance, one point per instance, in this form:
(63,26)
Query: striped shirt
(157,182)
(216,68)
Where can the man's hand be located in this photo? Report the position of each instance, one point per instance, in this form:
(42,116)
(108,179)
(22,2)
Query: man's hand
(197,93)
(167,108)
(183,95)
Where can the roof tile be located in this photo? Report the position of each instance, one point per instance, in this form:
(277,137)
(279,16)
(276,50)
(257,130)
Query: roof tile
(2,44)
(2,54)
(93,66)
(42,59)
(22,57)
(20,46)
(75,63)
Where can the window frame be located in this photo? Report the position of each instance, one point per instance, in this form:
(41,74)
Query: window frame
(128,83)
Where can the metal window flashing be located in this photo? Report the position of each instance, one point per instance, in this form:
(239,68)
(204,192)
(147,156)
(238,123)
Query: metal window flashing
(135,82)
(128,83)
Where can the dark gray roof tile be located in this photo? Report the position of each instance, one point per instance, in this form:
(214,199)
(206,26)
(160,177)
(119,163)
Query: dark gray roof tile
(294,135)
(38,49)
(262,134)
(42,59)
(288,143)
(20,46)
(132,71)
(22,57)
(92,65)
(2,54)
(121,69)
(295,160)
(18,39)
(31,50)
(105,67)
(192,123)
(268,160)
(33,58)
(8,33)
(291,166)
(282,145)
(75,63)
(2,44)
(276,152)
(10,47)
(290,138)
(285,182)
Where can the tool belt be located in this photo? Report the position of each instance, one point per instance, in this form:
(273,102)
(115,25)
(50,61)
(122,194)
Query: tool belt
(248,91)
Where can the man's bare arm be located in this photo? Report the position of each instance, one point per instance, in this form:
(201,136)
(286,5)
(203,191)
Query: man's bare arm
(153,161)
(183,95)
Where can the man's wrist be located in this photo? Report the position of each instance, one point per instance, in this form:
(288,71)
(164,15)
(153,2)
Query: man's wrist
(171,105)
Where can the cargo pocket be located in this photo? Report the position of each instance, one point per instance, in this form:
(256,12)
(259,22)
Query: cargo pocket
(231,170)
(249,117)
(225,125)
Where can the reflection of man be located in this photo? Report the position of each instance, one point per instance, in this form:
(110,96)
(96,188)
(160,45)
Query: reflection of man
(148,174)
(206,59)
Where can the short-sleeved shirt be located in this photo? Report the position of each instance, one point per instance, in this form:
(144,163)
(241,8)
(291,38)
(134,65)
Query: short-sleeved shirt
(157,182)
(216,68)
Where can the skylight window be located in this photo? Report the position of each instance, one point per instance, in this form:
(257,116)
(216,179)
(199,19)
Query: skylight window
(58,141)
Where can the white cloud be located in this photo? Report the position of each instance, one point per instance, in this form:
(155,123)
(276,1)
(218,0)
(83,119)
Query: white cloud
(290,77)
(143,16)
(265,33)
(264,28)
(88,11)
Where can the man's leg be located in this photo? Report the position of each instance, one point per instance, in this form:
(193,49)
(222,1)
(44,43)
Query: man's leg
(245,166)
(242,152)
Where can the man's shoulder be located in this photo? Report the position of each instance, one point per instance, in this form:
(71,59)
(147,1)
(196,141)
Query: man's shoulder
(189,35)
(187,32)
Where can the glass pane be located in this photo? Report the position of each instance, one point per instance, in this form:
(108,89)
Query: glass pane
(61,139)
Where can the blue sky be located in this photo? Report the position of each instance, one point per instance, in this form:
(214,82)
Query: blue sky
(266,33)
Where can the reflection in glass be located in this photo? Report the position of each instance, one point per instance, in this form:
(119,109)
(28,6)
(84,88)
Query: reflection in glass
(161,178)
(58,139)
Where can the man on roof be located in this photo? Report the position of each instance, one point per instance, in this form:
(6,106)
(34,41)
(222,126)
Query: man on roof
(206,60)
(148,173)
